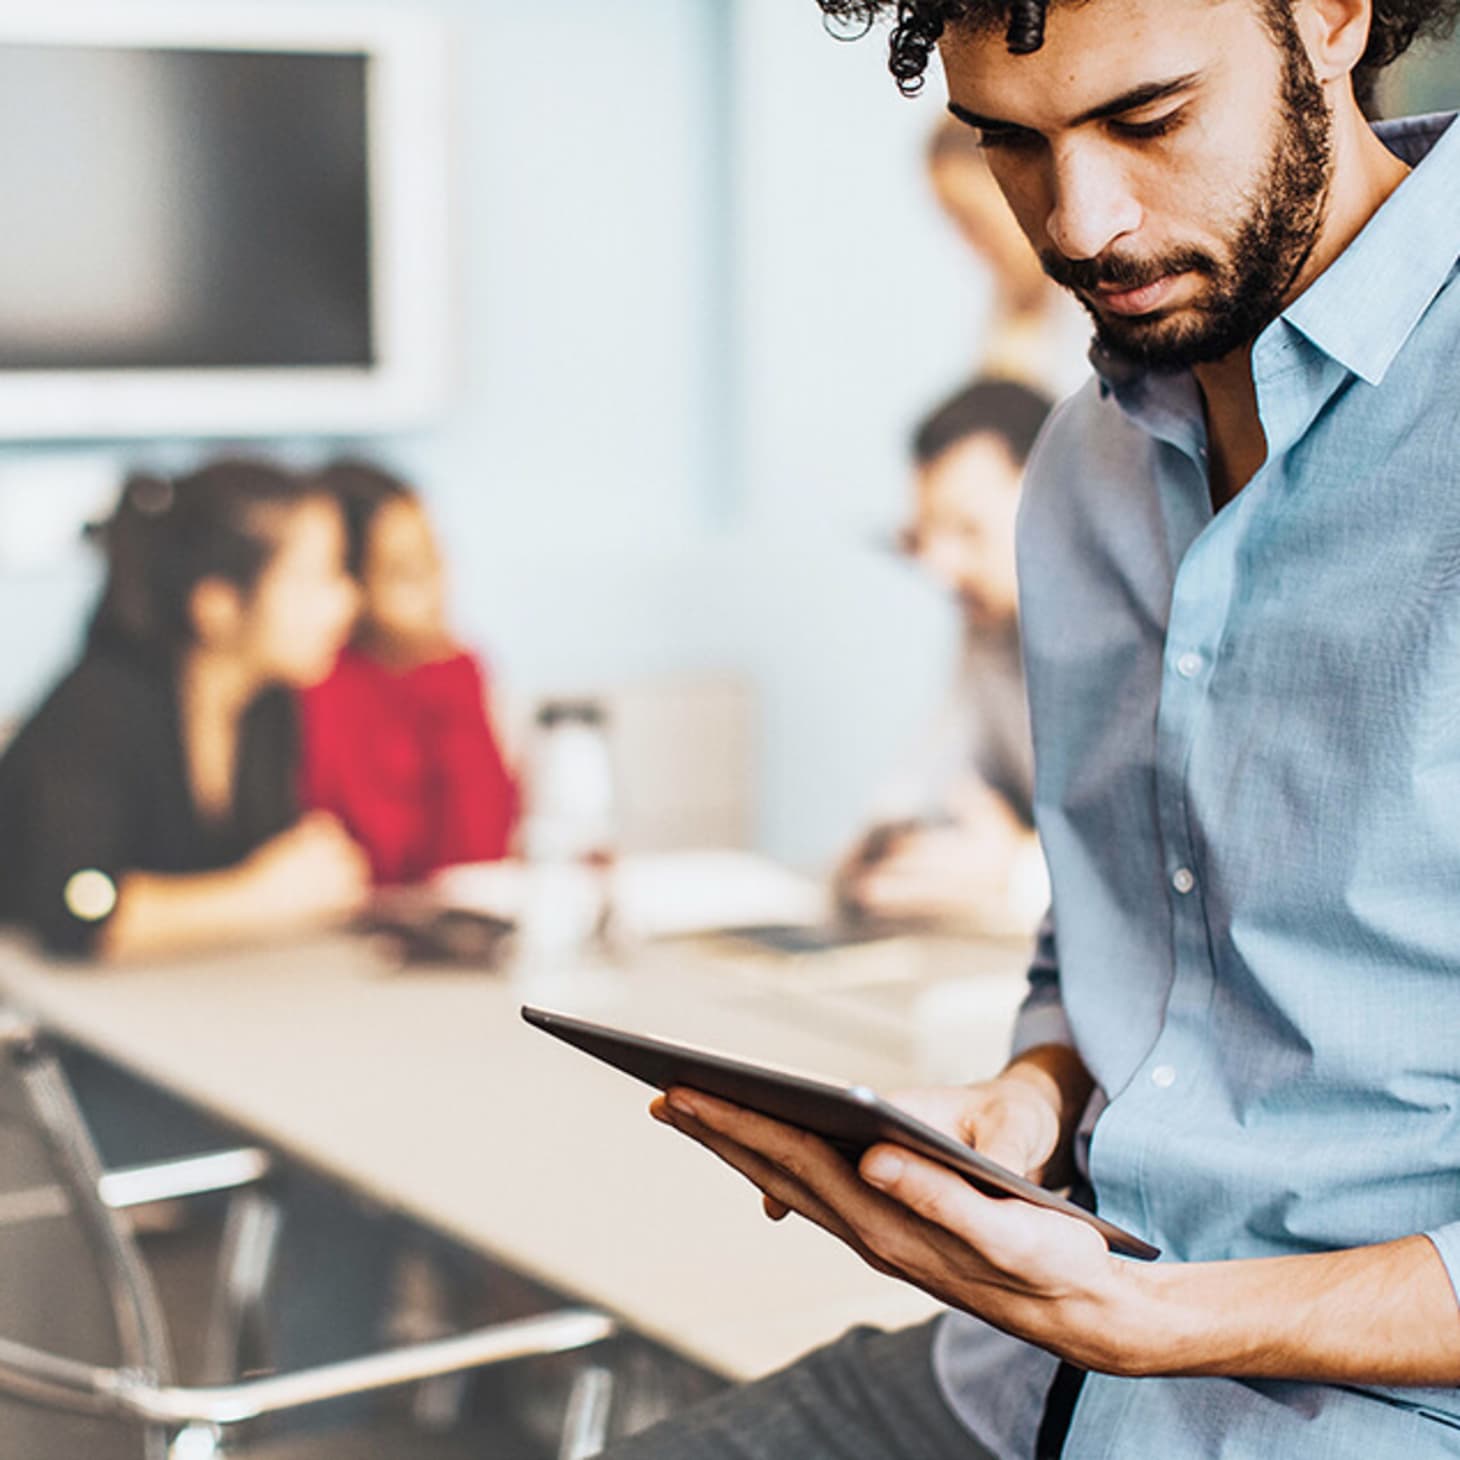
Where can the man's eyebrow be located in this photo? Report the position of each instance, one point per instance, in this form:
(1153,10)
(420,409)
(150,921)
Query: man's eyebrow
(1127,101)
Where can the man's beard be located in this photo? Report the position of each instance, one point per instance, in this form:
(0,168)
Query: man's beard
(1267,251)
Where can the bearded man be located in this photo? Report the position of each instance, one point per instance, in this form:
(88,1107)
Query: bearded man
(1240,599)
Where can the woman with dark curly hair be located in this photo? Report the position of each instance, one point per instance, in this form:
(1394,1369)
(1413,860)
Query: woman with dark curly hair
(1240,624)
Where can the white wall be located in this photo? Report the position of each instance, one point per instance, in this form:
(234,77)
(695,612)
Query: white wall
(857,310)
(703,297)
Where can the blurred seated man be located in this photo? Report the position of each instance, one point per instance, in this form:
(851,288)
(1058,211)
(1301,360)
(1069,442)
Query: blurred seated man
(953,835)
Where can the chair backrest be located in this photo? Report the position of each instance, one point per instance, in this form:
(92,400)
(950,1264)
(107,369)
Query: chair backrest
(683,752)
(71,1281)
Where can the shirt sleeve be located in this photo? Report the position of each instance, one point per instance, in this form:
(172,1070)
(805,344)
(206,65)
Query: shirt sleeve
(1042,1017)
(76,839)
(1446,1240)
(475,800)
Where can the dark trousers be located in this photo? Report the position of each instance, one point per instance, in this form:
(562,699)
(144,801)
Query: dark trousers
(869,1396)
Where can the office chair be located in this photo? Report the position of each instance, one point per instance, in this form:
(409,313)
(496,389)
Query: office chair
(84,1347)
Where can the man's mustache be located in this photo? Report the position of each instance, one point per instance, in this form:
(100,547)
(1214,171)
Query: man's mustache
(1114,271)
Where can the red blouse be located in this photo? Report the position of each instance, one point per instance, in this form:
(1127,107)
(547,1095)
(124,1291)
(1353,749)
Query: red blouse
(409,764)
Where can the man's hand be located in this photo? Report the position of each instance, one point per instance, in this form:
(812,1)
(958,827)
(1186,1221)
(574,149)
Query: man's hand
(1379,1315)
(1010,1120)
(1036,1273)
(982,868)
(953,873)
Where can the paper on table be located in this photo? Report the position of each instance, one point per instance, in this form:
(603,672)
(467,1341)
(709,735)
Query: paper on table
(672,894)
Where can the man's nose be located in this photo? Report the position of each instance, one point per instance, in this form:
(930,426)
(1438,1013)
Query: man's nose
(1093,204)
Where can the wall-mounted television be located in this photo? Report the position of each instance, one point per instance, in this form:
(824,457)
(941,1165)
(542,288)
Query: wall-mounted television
(221,219)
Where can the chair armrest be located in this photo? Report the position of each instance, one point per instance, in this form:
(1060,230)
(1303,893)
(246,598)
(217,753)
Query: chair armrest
(136,1186)
(59,1383)
(551,1333)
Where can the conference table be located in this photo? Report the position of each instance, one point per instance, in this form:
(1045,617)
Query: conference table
(422,1089)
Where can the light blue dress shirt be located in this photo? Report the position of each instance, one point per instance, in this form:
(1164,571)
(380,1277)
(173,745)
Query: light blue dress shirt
(1247,742)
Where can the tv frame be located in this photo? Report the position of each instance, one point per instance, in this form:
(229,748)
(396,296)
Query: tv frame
(408,111)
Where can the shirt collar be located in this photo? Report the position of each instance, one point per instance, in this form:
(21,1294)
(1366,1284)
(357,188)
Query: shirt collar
(1364,306)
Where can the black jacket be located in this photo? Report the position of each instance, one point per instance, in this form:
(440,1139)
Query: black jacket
(96,781)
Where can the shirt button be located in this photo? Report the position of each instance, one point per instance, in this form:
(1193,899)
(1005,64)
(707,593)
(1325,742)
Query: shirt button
(1183,880)
(1163,1077)
(1189,666)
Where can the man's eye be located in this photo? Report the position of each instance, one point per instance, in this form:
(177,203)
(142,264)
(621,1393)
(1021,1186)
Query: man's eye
(1141,131)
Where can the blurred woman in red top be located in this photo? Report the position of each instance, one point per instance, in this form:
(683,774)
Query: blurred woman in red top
(398,742)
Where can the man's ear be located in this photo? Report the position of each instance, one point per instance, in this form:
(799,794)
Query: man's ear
(1336,34)
(215,611)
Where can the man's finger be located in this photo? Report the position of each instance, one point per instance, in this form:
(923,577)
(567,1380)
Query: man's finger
(1010,1139)
(782,1192)
(1005,1234)
(781,1189)
(775,1183)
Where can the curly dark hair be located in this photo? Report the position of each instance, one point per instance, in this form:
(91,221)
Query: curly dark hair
(919,24)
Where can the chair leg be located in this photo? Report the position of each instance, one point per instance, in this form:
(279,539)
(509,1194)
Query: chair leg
(585,1426)
(421,1309)
(236,1338)
(438,1403)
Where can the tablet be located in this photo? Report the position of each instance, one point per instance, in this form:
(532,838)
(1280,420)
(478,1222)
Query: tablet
(850,1117)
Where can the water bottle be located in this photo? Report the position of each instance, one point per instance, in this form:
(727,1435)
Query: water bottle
(569,837)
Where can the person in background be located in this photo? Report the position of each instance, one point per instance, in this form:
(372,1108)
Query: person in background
(398,743)
(1036,335)
(953,838)
(150,804)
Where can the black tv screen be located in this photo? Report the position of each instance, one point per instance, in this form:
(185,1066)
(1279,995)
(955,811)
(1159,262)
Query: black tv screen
(177,209)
